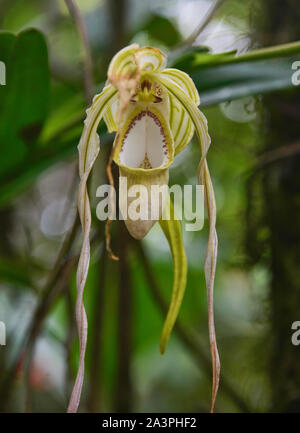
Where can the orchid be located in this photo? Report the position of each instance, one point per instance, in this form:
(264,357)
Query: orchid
(154,112)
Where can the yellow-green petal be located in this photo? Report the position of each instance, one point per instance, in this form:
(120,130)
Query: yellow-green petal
(125,70)
(123,63)
(200,124)
(181,125)
(184,81)
(180,122)
(197,117)
(150,59)
(88,149)
(110,114)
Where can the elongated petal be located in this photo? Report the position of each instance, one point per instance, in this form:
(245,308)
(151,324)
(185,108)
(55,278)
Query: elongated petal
(200,124)
(210,270)
(172,230)
(88,150)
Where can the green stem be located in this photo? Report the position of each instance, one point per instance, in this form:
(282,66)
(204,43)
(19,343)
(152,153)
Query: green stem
(221,59)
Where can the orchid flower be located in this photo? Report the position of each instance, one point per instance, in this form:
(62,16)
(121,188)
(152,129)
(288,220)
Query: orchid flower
(154,112)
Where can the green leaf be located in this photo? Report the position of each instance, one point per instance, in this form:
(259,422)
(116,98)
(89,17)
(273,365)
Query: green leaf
(226,76)
(7,41)
(14,273)
(187,61)
(224,83)
(24,174)
(196,59)
(24,99)
(51,152)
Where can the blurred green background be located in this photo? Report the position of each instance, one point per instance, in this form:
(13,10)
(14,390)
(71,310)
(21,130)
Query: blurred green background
(253,113)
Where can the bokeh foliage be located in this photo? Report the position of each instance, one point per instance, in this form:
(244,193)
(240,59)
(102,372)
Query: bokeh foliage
(41,112)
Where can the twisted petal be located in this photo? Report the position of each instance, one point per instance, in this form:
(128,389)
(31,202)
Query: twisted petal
(88,150)
(172,230)
(200,124)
